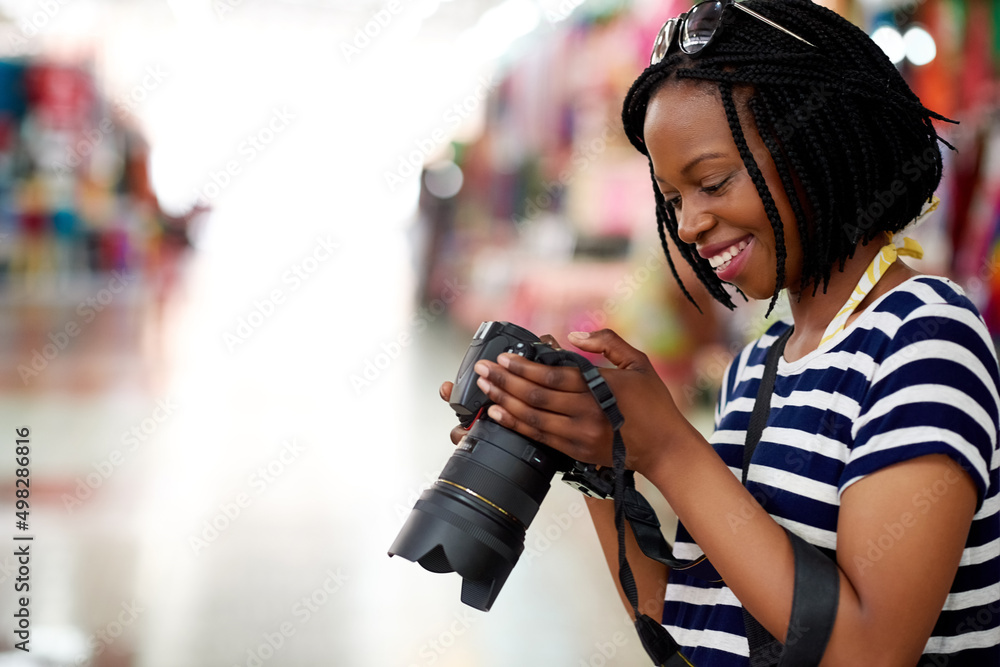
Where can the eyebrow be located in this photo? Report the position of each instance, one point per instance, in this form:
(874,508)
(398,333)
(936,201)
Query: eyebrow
(695,162)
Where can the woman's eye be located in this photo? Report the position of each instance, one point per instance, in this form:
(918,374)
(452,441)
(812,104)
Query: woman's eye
(673,201)
(715,188)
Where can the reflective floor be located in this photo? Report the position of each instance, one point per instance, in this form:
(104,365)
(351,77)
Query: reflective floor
(195,506)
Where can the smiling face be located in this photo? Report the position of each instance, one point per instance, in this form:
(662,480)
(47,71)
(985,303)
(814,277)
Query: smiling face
(699,170)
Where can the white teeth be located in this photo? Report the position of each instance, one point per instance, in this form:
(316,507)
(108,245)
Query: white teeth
(722,260)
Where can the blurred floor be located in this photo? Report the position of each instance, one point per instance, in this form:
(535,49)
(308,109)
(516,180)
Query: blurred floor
(235,508)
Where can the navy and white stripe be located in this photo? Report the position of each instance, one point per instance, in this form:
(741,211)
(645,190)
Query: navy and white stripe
(915,374)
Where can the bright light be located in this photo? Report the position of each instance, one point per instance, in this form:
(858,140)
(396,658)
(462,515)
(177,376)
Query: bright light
(891,41)
(499,27)
(920,46)
(443,180)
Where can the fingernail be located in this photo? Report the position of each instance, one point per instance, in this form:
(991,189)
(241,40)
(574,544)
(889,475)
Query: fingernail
(483,384)
(495,413)
(481,369)
(579,335)
(504,360)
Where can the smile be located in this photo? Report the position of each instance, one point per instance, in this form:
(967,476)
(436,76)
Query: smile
(721,261)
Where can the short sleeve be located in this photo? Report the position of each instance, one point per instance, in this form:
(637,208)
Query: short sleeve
(934,392)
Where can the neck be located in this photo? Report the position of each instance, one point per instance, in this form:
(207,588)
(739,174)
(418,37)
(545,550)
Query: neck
(812,313)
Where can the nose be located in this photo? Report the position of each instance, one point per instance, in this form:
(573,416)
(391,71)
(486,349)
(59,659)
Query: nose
(692,222)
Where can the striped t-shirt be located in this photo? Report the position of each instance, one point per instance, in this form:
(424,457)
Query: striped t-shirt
(915,373)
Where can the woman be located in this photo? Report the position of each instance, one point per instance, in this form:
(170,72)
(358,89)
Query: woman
(786,151)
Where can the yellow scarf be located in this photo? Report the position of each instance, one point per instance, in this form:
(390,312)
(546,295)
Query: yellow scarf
(882,261)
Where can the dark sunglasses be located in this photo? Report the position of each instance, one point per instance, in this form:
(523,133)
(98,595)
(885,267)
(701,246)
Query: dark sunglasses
(696,28)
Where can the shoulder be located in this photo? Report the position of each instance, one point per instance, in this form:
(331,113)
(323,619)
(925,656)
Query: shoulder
(928,297)
(932,380)
(929,314)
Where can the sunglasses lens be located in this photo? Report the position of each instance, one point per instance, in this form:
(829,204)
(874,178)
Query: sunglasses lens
(702,22)
(663,40)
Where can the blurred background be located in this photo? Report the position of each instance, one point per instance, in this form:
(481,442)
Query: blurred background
(242,242)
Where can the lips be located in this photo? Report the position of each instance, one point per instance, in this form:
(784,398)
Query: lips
(721,256)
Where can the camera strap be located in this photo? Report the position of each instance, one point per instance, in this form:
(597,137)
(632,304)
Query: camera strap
(657,642)
(816,591)
(816,588)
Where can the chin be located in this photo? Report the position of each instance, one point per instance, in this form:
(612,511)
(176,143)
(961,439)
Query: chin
(754,293)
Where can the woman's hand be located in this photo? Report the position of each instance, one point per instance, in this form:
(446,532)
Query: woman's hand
(444,392)
(552,405)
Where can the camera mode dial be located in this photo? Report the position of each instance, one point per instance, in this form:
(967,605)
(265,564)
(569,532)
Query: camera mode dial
(525,350)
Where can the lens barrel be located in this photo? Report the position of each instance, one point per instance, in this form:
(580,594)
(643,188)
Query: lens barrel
(473,519)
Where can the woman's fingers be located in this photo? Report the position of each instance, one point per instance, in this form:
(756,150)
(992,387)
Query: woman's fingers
(559,378)
(612,346)
(580,437)
(445,391)
(550,405)
(550,388)
(457,434)
(551,341)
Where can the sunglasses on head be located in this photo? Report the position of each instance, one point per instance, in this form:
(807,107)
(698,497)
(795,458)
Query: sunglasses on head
(696,28)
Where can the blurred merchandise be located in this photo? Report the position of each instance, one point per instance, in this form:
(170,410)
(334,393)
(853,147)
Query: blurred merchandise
(75,199)
(553,223)
(88,258)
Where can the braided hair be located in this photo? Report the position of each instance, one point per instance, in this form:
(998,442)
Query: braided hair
(856,151)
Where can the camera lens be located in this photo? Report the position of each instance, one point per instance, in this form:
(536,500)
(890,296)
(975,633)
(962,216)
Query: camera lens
(473,519)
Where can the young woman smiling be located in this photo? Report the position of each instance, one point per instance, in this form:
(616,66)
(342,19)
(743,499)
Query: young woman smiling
(771,127)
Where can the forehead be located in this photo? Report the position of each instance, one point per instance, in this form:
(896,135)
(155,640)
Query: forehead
(684,118)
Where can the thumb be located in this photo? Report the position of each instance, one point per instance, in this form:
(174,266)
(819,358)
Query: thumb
(614,348)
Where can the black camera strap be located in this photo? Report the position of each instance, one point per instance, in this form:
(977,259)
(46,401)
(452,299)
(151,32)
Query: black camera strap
(657,642)
(816,589)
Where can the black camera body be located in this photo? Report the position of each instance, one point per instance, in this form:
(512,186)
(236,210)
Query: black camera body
(473,519)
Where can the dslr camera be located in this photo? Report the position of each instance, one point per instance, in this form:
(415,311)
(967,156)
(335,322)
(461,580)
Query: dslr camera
(473,519)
